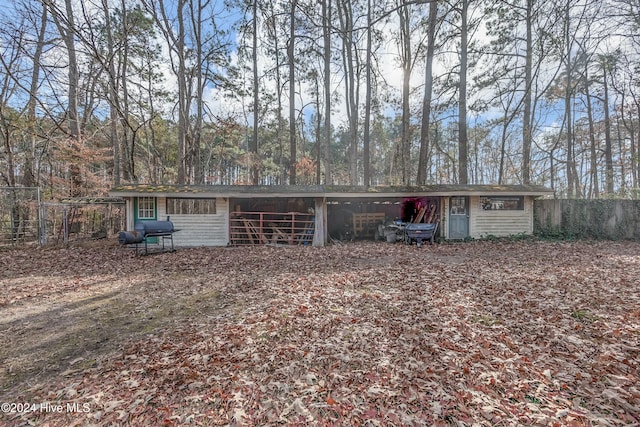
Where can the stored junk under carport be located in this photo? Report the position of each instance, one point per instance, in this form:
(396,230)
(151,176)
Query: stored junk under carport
(221,215)
(381,218)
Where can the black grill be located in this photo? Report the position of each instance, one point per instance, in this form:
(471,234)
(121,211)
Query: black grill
(154,228)
(146,230)
(130,237)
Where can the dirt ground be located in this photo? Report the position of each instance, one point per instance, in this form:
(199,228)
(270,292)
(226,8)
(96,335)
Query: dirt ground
(478,333)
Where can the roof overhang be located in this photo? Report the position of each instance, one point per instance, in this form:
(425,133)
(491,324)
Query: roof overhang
(209,191)
(326,191)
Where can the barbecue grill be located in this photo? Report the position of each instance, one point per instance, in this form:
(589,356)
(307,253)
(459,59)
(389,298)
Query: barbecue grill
(146,230)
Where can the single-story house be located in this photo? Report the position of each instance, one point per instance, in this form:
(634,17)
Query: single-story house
(221,215)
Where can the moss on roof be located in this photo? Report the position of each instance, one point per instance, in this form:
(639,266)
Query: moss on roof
(321,190)
(175,188)
(437,188)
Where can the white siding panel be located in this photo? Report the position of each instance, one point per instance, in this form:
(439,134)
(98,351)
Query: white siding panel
(199,230)
(162,208)
(500,223)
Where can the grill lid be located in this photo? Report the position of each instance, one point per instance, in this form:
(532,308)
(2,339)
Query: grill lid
(154,227)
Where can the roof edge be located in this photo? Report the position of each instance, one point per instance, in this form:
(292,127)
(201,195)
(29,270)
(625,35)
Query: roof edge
(132,190)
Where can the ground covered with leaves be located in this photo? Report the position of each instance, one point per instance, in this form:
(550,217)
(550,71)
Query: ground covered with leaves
(479,333)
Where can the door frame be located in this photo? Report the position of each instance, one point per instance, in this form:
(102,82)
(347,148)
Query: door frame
(458,236)
(136,211)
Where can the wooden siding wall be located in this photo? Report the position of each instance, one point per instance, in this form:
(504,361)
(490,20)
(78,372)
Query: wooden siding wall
(483,223)
(199,230)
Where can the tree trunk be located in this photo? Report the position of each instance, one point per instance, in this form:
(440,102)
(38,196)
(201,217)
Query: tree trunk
(29,178)
(253,145)
(176,40)
(592,139)
(634,159)
(271,26)
(405,132)
(292,93)
(66,27)
(503,147)
(316,82)
(326,20)
(622,152)
(428,93)
(366,160)
(182,96)
(113,94)
(528,97)
(608,151)
(196,18)
(463,143)
(571,179)
(351,66)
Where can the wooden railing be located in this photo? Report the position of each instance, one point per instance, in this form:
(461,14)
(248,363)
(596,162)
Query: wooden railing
(261,228)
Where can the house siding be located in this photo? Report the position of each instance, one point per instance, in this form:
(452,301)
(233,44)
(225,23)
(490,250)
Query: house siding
(199,230)
(213,229)
(484,223)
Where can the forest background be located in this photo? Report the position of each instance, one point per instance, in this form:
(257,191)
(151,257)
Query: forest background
(97,93)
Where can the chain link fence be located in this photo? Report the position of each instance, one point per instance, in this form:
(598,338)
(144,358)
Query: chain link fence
(82,219)
(19,216)
(27,220)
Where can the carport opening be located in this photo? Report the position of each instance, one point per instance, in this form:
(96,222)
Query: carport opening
(279,221)
(368,219)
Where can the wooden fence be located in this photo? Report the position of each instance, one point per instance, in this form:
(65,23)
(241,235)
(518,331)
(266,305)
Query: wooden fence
(587,219)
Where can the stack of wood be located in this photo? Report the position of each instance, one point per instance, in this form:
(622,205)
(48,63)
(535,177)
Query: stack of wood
(278,234)
(428,212)
(254,234)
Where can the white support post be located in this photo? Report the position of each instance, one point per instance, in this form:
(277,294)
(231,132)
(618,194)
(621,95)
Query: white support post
(320,232)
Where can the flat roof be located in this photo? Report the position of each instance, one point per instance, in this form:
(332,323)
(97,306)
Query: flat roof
(328,191)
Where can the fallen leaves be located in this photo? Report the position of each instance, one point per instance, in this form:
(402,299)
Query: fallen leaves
(529,333)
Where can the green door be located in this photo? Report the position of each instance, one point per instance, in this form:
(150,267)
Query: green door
(458,217)
(145,208)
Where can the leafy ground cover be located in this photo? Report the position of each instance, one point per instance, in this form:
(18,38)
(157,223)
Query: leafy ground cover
(479,333)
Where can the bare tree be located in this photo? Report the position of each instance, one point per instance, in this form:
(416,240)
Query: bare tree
(352,69)
(176,40)
(271,24)
(527,128)
(404,13)
(606,64)
(327,26)
(366,155)
(292,91)
(253,145)
(65,22)
(9,57)
(425,129)
(112,92)
(463,141)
